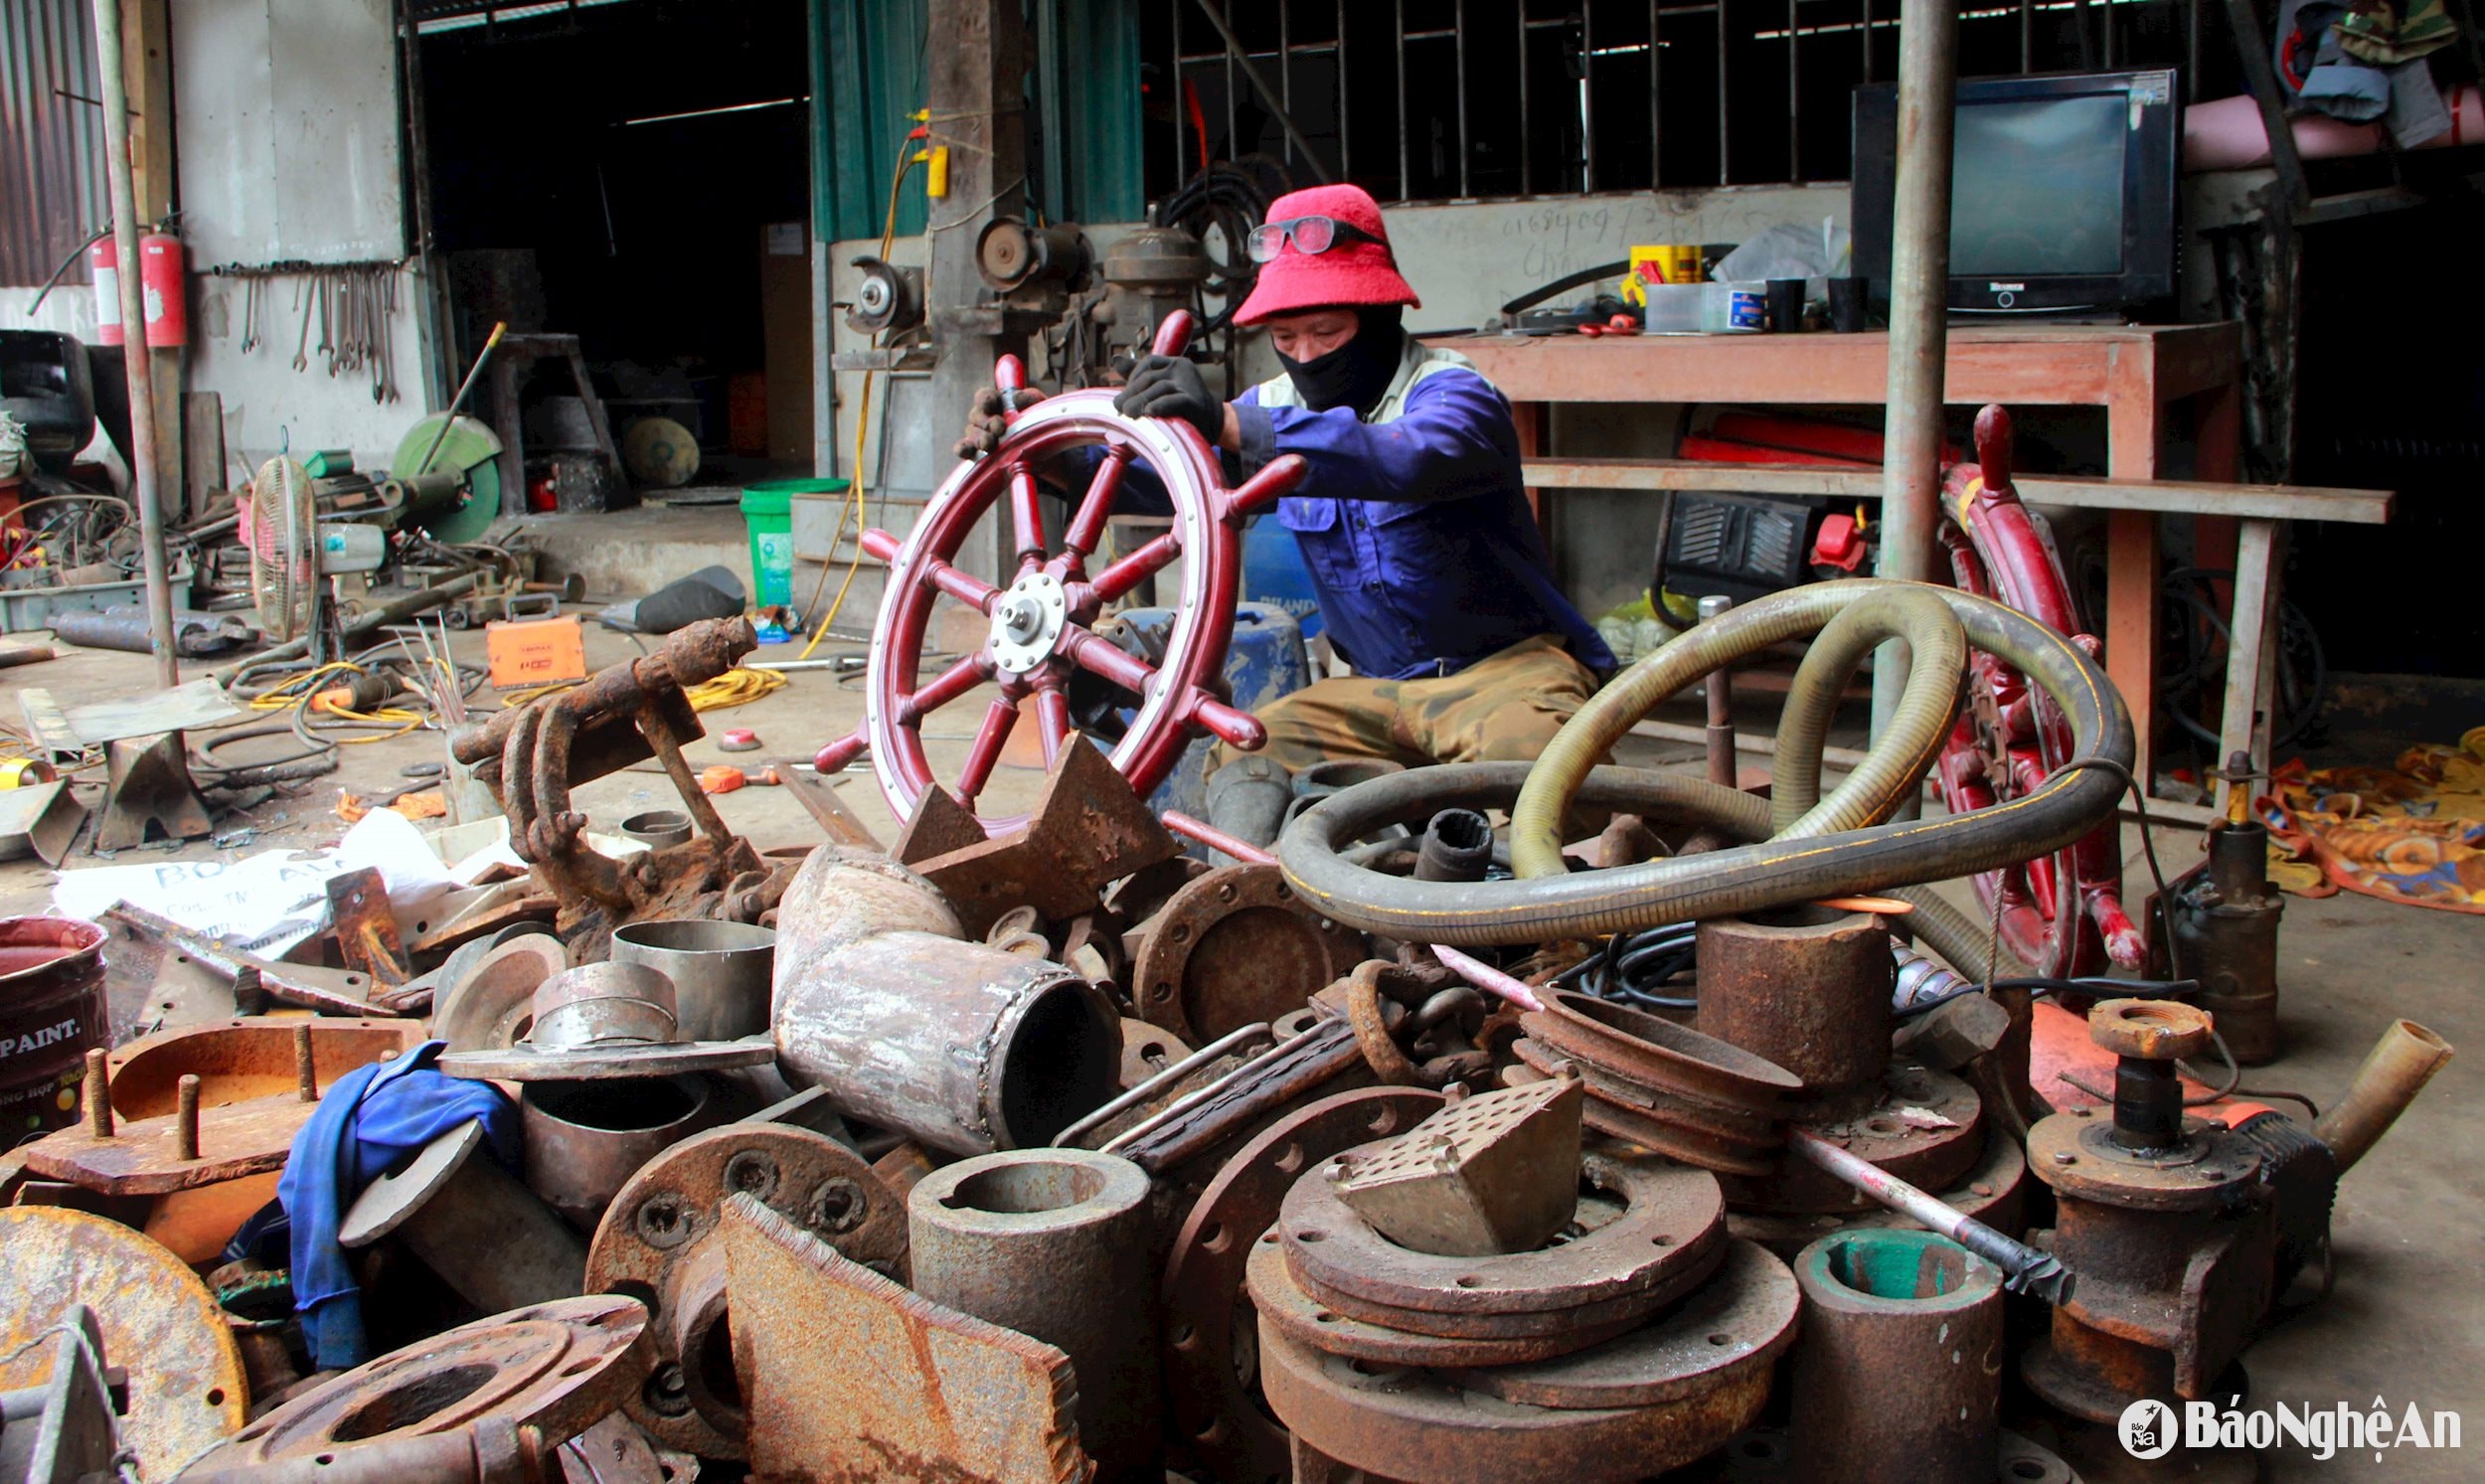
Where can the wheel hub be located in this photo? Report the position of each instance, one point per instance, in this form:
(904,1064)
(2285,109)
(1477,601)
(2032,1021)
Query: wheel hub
(1027,622)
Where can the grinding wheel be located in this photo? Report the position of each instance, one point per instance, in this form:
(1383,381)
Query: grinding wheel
(473,450)
(659,453)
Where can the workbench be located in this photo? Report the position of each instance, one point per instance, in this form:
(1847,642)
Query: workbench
(2143,377)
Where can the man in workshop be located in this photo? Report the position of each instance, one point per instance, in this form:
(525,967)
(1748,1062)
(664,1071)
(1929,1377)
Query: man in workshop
(1433,578)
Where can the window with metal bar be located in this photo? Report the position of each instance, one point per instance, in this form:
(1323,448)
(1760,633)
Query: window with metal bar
(1448,99)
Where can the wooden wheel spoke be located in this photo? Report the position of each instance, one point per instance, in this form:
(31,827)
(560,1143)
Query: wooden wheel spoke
(1026,510)
(1053,718)
(1098,657)
(946,687)
(967,588)
(1121,578)
(1086,528)
(985,751)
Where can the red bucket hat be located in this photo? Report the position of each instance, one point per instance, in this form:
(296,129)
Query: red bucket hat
(1350,273)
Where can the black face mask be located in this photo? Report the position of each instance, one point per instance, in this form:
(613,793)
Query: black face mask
(1357,374)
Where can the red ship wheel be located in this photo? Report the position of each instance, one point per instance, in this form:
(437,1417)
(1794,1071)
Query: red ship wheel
(1042,621)
(2058,912)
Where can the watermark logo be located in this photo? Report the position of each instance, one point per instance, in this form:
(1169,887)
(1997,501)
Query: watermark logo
(2151,1430)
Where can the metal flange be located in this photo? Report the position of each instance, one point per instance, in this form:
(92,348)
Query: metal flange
(659,1243)
(1672,1223)
(554,1369)
(1210,1343)
(1234,948)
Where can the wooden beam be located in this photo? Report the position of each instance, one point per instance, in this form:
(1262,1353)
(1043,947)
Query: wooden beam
(2275,502)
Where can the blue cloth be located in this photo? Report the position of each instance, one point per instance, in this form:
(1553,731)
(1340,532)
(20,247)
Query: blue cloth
(369,1121)
(1416,528)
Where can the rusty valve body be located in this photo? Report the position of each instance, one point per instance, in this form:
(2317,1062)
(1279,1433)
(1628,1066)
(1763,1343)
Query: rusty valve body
(2166,1221)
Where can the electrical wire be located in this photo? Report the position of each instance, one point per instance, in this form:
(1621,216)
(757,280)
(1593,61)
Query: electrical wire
(854,511)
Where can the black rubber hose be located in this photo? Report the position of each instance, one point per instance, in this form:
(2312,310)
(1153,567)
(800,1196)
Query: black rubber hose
(1741,878)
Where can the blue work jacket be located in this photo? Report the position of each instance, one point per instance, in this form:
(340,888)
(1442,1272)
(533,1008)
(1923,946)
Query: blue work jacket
(1414,522)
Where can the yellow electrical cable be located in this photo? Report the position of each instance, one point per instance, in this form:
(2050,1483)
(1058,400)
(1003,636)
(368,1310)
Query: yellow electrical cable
(854,511)
(735,687)
(301,692)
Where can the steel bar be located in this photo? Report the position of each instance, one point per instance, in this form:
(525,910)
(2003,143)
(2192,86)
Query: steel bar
(2025,1269)
(1403,192)
(137,360)
(1587,100)
(1723,164)
(1920,283)
(1485,977)
(1794,92)
(1465,151)
(1526,152)
(1273,98)
(1285,69)
(1182,170)
(1656,99)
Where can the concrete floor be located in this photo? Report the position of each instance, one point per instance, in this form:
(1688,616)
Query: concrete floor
(2406,1321)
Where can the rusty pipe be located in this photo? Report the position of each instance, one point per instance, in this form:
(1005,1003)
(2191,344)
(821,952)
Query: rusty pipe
(1898,1376)
(1719,737)
(2393,1073)
(698,652)
(882,1004)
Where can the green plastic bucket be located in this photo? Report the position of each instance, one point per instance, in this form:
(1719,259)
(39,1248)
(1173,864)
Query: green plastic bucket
(768,513)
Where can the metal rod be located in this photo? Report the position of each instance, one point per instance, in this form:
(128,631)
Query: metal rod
(1285,67)
(1461,43)
(1587,100)
(1403,191)
(1720,735)
(2027,36)
(2024,1268)
(1487,978)
(1724,168)
(1219,16)
(1526,152)
(1235,54)
(465,389)
(1866,29)
(1215,839)
(99,1090)
(1795,95)
(137,360)
(1182,168)
(185,1117)
(1656,102)
(1919,286)
(1232,1040)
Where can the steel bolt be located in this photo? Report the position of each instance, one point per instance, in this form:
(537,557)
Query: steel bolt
(305,1071)
(98,1094)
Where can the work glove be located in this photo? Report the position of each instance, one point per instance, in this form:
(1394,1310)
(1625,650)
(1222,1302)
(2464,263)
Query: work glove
(984,422)
(1171,387)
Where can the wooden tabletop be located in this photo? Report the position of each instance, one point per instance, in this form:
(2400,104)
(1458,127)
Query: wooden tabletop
(2028,366)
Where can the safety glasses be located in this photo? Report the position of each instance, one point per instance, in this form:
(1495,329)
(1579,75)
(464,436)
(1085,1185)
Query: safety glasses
(1311,235)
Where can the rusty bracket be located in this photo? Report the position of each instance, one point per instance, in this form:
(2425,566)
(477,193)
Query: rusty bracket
(1089,830)
(366,927)
(328,991)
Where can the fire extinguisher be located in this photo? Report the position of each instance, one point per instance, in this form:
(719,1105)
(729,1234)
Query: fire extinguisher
(163,285)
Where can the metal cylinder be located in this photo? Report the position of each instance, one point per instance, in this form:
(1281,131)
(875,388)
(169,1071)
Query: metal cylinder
(1805,987)
(2224,925)
(474,1224)
(1457,846)
(1898,1375)
(720,971)
(584,1139)
(2393,1073)
(1037,1240)
(1718,688)
(52,1013)
(658,828)
(962,1046)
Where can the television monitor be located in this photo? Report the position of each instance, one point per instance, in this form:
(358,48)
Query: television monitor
(2063,192)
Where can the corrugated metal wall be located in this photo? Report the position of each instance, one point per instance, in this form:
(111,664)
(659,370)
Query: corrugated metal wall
(50,147)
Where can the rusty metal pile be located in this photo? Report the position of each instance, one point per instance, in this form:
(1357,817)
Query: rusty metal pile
(1053,1151)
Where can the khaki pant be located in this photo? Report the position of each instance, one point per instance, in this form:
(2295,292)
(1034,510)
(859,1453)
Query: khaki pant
(1502,709)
